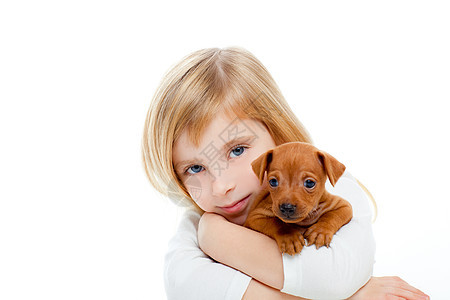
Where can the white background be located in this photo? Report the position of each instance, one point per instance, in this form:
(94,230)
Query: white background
(78,219)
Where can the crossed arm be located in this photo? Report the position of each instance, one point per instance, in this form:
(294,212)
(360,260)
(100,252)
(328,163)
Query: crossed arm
(241,248)
(259,257)
(345,267)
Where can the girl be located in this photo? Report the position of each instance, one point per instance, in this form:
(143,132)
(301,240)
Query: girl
(213,114)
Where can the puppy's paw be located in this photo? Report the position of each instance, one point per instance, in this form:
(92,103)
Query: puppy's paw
(320,235)
(291,243)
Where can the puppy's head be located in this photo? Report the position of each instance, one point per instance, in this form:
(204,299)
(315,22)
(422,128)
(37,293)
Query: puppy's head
(296,176)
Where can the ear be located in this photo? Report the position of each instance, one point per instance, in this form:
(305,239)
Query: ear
(332,166)
(261,165)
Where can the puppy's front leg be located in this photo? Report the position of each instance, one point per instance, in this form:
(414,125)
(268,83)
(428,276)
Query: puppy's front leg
(321,233)
(287,236)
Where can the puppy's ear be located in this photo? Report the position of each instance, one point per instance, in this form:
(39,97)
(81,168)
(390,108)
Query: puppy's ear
(261,165)
(332,166)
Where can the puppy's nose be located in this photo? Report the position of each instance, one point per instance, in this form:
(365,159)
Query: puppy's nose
(287,209)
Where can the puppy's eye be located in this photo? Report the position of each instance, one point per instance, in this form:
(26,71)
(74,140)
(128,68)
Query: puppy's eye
(273,182)
(309,184)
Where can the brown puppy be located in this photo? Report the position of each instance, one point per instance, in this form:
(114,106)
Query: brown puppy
(295,204)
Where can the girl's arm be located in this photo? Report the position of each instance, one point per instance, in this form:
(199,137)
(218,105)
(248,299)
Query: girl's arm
(251,252)
(256,291)
(270,263)
(190,274)
(336,272)
(258,256)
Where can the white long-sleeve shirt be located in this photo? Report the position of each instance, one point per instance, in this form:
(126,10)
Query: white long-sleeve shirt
(327,273)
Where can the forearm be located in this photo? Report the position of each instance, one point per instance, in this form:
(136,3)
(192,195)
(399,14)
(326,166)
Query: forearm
(246,250)
(334,272)
(345,267)
(257,290)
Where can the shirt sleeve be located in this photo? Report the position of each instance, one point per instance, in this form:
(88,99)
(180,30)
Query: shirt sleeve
(339,271)
(190,274)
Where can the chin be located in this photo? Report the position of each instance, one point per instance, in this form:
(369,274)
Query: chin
(238,220)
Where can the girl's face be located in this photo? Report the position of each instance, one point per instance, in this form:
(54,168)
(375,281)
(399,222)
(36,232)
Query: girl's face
(218,174)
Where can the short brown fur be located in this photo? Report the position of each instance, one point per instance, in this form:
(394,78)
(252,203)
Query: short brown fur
(292,211)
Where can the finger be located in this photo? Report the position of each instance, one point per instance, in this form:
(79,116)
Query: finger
(407,288)
(409,295)
(406,294)
(402,294)
(393,297)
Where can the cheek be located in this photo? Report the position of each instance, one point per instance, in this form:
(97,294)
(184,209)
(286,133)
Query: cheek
(194,187)
(246,163)
(244,173)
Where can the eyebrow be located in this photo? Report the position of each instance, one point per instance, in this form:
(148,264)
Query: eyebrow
(248,138)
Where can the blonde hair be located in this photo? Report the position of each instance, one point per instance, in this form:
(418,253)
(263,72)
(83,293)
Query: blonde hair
(204,83)
(193,92)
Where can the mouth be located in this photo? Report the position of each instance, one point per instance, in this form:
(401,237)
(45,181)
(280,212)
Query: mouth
(237,206)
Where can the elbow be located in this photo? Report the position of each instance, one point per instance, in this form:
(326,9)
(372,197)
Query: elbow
(349,280)
(360,268)
(348,289)
(177,273)
(177,282)
(344,285)
(170,282)
(348,284)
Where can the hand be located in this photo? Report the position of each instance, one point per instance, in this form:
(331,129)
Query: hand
(388,288)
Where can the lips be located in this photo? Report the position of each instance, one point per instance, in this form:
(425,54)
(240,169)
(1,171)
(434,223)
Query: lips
(237,206)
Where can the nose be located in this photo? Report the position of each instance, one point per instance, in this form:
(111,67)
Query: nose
(288,209)
(222,185)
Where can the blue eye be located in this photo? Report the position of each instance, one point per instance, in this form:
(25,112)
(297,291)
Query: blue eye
(309,184)
(193,169)
(239,150)
(273,182)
